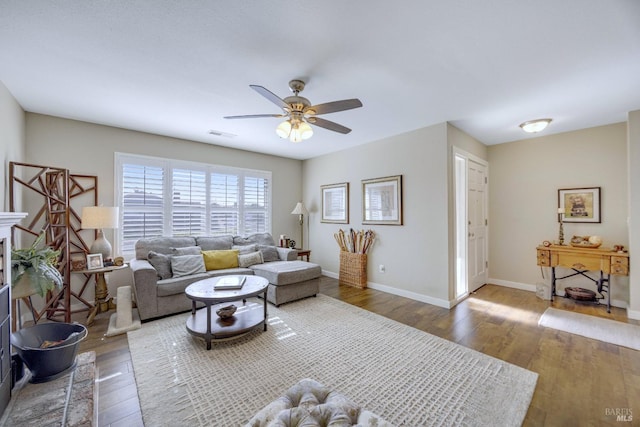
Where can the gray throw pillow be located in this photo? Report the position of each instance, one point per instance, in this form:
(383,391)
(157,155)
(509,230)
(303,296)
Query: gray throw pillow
(245,249)
(189,250)
(186,265)
(162,264)
(269,253)
(247,260)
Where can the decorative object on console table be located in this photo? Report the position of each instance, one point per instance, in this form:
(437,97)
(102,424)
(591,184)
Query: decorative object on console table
(586,241)
(301,211)
(580,204)
(99,218)
(560,230)
(94,261)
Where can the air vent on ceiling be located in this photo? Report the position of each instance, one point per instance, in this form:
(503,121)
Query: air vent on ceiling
(220,133)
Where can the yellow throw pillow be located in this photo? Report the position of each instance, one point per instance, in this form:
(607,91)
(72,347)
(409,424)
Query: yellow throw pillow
(217,260)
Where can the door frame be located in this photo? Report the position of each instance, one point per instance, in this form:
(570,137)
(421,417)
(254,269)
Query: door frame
(461,229)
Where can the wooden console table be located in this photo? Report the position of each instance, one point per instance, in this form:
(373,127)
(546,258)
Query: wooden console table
(582,260)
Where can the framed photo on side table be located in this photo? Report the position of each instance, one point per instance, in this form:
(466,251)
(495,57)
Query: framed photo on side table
(94,261)
(580,204)
(335,203)
(382,200)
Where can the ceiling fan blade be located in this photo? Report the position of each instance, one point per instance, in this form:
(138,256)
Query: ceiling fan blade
(254,116)
(332,107)
(328,125)
(270,96)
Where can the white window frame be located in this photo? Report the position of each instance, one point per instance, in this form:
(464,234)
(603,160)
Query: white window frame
(168,165)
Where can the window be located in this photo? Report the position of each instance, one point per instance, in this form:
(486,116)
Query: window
(162,197)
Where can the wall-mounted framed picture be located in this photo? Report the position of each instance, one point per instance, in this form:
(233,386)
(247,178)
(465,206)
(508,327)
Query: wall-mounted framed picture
(382,200)
(580,204)
(94,261)
(335,203)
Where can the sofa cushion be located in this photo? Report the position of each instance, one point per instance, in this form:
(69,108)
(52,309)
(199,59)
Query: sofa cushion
(185,265)
(217,260)
(245,249)
(162,264)
(257,238)
(161,245)
(286,272)
(215,242)
(247,260)
(269,253)
(188,250)
(177,285)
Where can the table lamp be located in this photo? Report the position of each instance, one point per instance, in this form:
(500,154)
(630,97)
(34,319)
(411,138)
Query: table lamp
(99,218)
(301,211)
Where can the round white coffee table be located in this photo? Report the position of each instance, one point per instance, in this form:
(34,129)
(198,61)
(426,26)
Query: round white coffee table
(248,316)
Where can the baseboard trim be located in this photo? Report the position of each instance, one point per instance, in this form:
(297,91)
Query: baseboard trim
(401,292)
(633,314)
(514,285)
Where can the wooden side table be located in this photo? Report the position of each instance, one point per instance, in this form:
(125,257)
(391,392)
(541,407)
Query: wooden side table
(103,302)
(304,253)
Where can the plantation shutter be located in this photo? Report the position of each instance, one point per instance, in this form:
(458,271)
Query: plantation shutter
(224,191)
(163,197)
(256,208)
(189,201)
(142,203)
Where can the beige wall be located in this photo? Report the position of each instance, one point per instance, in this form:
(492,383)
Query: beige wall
(86,148)
(415,255)
(524,179)
(12,141)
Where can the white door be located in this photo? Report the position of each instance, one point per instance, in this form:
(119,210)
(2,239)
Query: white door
(477,257)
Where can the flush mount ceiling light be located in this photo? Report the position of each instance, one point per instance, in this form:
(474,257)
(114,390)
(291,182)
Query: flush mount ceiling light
(533,126)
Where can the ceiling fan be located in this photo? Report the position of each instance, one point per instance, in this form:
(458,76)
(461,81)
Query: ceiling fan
(299,112)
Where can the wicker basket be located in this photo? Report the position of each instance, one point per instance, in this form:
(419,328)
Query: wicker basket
(353,269)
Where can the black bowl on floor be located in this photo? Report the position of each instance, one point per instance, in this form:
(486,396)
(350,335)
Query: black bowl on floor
(47,364)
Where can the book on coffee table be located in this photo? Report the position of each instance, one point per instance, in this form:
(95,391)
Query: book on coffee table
(231,282)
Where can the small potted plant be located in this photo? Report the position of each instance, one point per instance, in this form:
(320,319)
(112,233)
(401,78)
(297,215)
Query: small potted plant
(33,270)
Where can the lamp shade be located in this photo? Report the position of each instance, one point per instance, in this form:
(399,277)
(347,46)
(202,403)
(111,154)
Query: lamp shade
(99,217)
(284,129)
(300,209)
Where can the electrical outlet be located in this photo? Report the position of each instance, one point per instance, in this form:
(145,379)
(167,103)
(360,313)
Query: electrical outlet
(381,268)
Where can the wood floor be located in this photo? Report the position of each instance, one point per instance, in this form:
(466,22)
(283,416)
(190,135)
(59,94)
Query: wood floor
(581,382)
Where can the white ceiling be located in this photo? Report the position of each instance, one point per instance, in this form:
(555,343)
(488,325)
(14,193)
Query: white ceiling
(176,68)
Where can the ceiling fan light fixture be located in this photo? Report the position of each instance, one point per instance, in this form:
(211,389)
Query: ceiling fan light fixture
(295,130)
(284,129)
(300,131)
(533,126)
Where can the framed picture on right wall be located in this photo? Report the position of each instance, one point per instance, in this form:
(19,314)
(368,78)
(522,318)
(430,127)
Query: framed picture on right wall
(580,204)
(382,200)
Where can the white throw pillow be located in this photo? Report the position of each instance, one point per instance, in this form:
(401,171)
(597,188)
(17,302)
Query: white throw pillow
(185,265)
(247,260)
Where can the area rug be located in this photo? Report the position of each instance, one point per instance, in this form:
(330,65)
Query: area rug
(406,376)
(611,331)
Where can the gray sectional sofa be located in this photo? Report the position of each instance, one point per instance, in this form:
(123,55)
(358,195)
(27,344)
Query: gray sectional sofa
(165,266)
